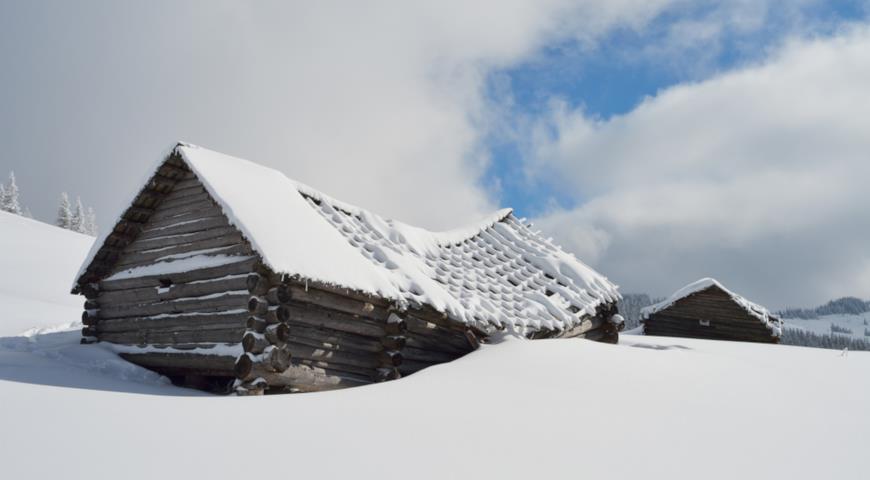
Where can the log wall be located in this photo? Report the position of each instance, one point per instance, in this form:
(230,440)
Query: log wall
(144,299)
(726,319)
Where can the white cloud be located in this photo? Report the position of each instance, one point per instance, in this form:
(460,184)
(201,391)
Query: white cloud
(759,176)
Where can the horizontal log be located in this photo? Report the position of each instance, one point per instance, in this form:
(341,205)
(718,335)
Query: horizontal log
(213,365)
(425,342)
(193,190)
(336,357)
(319,317)
(182,228)
(228,301)
(332,339)
(230,250)
(178,290)
(369,374)
(393,342)
(145,337)
(307,378)
(429,356)
(134,258)
(333,301)
(187,183)
(694,324)
(203,204)
(244,265)
(183,197)
(206,321)
(171,240)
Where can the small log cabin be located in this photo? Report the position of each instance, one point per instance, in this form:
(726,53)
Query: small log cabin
(706,309)
(227,275)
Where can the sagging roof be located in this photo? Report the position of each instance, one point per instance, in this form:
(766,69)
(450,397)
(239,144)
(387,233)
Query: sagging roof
(495,273)
(773,323)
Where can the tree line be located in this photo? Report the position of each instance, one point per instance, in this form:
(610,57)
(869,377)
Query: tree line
(69,216)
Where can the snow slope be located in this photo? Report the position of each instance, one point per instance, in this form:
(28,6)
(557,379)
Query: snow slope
(38,264)
(650,408)
(822,325)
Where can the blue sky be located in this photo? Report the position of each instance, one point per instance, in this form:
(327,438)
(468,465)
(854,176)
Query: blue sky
(617,73)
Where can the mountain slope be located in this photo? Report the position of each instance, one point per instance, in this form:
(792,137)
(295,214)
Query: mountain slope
(38,262)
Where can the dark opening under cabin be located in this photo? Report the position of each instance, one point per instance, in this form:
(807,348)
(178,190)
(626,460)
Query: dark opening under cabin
(227,275)
(706,309)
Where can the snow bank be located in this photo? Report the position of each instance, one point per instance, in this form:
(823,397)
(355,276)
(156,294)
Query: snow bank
(37,262)
(757,311)
(651,408)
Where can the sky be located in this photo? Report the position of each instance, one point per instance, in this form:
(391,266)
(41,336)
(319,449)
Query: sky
(660,140)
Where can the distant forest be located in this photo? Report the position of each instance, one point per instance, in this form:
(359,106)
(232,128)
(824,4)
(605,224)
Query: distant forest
(840,306)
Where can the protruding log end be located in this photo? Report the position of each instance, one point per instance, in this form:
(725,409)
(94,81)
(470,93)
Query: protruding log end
(256,324)
(244,366)
(258,306)
(396,325)
(91,304)
(257,284)
(253,342)
(283,293)
(391,358)
(276,358)
(393,342)
(89,331)
(472,339)
(278,334)
(387,373)
(89,317)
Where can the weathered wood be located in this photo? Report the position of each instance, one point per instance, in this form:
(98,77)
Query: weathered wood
(274,360)
(223,302)
(200,209)
(426,342)
(393,342)
(257,306)
(258,284)
(134,258)
(183,227)
(391,358)
(175,291)
(206,321)
(277,334)
(430,356)
(217,365)
(139,245)
(244,265)
(336,357)
(238,250)
(333,339)
(316,316)
(369,374)
(145,337)
(311,378)
(253,342)
(176,199)
(256,324)
(299,294)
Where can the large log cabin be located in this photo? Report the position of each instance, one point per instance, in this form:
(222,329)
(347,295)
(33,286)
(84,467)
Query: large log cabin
(706,309)
(224,274)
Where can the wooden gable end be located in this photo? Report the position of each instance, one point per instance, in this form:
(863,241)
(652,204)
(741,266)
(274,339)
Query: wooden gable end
(711,313)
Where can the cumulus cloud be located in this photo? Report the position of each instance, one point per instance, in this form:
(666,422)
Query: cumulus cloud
(757,176)
(378,103)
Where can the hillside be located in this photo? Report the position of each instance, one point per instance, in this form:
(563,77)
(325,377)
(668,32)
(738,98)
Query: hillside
(39,262)
(646,408)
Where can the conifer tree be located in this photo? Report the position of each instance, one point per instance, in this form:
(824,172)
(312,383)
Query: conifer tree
(64,212)
(90,224)
(78,217)
(11,203)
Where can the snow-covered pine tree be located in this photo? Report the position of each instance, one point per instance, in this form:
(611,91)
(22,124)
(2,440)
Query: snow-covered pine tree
(77,224)
(90,222)
(2,197)
(10,197)
(64,212)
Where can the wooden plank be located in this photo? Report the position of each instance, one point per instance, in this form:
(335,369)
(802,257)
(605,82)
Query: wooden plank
(132,258)
(139,245)
(230,250)
(184,216)
(195,226)
(206,321)
(336,302)
(319,317)
(217,365)
(179,290)
(146,337)
(337,357)
(199,304)
(244,265)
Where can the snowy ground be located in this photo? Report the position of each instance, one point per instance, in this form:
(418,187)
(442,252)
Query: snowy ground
(646,408)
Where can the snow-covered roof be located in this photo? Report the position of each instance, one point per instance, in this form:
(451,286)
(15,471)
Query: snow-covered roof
(496,272)
(773,323)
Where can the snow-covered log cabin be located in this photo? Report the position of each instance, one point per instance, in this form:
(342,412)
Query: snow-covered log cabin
(222,271)
(706,309)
